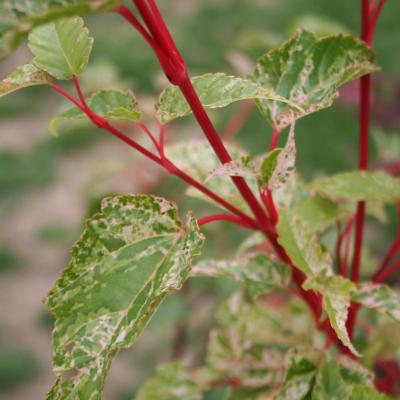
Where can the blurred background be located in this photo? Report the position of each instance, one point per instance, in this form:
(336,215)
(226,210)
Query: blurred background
(49,185)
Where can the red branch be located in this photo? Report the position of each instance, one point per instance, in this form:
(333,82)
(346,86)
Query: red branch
(174,67)
(224,217)
(368,24)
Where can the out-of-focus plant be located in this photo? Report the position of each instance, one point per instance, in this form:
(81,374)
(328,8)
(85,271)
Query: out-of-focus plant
(291,331)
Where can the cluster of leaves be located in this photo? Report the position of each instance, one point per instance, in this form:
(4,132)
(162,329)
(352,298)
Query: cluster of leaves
(136,249)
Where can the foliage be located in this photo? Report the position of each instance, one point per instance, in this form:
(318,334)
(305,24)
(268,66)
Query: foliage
(136,250)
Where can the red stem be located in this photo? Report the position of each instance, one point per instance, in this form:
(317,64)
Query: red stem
(220,150)
(67,95)
(177,74)
(275,136)
(365,87)
(374,21)
(384,274)
(102,123)
(224,217)
(393,250)
(147,131)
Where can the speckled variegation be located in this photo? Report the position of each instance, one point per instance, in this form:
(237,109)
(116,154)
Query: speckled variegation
(129,257)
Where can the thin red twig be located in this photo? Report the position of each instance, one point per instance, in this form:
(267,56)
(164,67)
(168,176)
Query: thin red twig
(274,139)
(165,163)
(374,21)
(383,275)
(224,217)
(147,131)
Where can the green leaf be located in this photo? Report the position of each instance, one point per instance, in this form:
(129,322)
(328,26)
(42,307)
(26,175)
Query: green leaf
(198,160)
(317,213)
(61,48)
(359,185)
(18,17)
(172,381)
(302,245)
(300,374)
(129,257)
(268,166)
(353,372)
(308,71)
(214,90)
(378,297)
(22,77)
(344,379)
(110,104)
(361,392)
(337,294)
(329,383)
(257,272)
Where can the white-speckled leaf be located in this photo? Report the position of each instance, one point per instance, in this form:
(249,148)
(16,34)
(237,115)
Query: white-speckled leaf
(378,297)
(171,382)
(285,163)
(256,271)
(22,77)
(308,71)
(300,374)
(243,166)
(336,380)
(302,245)
(198,160)
(61,48)
(215,91)
(337,294)
(18,17)
(129,257)
(110,104)
(359,185)
(244,345)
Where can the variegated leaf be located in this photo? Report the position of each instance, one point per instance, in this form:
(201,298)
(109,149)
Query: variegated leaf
(308,71)
(129,257)
(25,76)
(171,382)
(198,160)
(378,297)
(110,104)
(302,245)
(359,185)
(285,163)
(300,374)
(242,347)
(18,17)
(215,91)
(337,294)
(256,271)
(61,48)
(244,167)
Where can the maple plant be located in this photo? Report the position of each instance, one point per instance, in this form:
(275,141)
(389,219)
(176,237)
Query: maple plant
(136,250)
